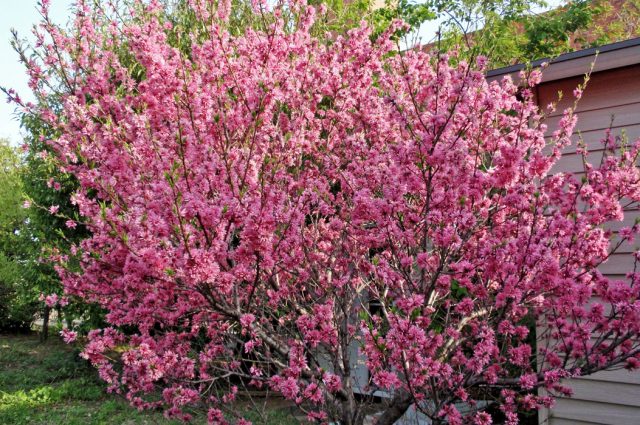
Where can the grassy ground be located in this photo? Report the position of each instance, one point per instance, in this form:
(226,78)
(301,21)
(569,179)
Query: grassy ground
(49,384)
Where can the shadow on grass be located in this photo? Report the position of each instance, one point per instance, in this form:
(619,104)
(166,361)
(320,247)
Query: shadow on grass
(48,383)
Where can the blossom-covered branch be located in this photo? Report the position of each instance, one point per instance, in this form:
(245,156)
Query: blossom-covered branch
(271,209)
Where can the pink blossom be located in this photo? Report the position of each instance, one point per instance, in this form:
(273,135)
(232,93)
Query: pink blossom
(332,382)
(287,387)
(68,336)
(535,77)
(528,381)
(386,380)
(51,183)
(216,417)
(326,202)
(246,320)
(51,300)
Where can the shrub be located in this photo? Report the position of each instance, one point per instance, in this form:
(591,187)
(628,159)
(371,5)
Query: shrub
(269,207)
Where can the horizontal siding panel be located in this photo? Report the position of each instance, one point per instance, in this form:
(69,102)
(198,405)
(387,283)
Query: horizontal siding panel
(560,421)
(618,263)
(604,90)
(628,220)
(605,392)
(622,376)
(626,248)
(600,413)
(624,115)
(593,138)
(572,163)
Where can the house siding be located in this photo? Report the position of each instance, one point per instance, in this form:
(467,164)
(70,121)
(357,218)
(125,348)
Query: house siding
(611,100)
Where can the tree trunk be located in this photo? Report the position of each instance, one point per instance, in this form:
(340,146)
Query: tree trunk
(399,405)
(59,319)
(352,415)
(349,406)
(44,333)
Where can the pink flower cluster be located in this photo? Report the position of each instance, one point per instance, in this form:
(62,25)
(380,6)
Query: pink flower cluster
(275,208)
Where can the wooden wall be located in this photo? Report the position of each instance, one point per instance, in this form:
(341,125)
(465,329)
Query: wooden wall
(611,100)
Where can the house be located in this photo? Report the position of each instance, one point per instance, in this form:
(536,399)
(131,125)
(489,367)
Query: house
(611,100)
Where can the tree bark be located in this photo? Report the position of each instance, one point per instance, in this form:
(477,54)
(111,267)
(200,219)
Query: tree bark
(352,414)
(399,405)
(44,333)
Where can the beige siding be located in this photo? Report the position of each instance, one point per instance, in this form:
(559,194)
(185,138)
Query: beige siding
(606,392)
(592,138)
(575,410)
(611,100)
(606,89)
(572,422)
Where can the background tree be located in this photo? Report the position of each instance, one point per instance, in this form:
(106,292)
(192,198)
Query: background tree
(515,31)
(53,225)
(16,307)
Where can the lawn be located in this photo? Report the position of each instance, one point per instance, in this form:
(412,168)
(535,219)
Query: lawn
(50,384)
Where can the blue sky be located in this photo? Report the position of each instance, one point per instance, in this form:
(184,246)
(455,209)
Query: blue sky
(21,15)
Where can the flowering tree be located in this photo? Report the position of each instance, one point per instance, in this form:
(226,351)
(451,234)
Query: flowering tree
(269,209)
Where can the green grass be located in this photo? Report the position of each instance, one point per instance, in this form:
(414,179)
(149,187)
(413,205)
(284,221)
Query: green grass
(50,384)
